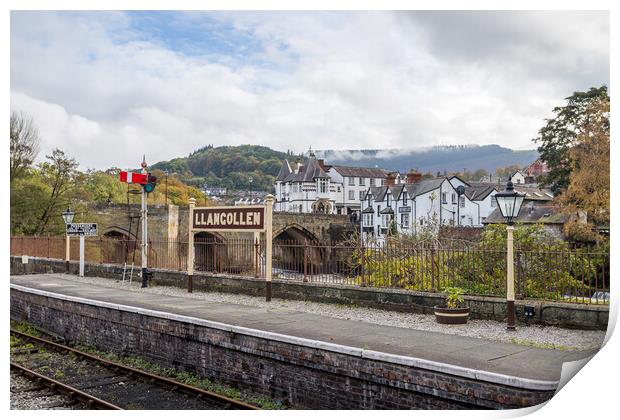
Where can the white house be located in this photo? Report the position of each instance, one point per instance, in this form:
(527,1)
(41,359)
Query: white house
(314,187)
(306,189)
(355,183)
(416,204)
(518,178)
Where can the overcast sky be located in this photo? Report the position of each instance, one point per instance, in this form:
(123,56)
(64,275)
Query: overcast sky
(107,87)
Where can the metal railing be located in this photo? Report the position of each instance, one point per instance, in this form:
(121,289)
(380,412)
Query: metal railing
(570,274)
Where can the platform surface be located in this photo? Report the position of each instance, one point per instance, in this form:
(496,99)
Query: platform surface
(466,352)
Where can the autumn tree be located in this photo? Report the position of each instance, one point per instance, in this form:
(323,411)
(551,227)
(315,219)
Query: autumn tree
(24,144)
(588,180)
(562,132)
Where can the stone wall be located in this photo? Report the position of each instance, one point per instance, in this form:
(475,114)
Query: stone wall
(300,372)
(566,315)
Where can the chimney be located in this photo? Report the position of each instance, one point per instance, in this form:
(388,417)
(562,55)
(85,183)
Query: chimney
(321,163)
(390,179)
(413,177)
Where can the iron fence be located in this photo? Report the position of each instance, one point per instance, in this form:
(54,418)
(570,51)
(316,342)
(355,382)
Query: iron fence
(568,274)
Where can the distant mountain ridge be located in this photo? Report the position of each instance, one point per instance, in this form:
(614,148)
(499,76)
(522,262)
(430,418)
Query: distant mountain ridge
(432,159)
(252,167)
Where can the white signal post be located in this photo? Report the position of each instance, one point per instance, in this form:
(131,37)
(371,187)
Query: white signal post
(144,220)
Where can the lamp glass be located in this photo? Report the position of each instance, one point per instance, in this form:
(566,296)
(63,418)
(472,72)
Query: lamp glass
(67,216)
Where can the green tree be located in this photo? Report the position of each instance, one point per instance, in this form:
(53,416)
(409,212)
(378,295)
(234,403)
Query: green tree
(61,175)
(562,132)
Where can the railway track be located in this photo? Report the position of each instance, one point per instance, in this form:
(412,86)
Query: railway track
(100,383)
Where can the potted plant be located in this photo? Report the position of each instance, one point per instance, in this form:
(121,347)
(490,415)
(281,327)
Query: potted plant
(454,311)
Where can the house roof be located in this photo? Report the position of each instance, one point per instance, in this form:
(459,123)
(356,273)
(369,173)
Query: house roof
(360,172)
(478,192)
(285,171)
(308,172)
(460,179)
(534,193)
(413,190)
(530,212)
(387,210)
(368,210)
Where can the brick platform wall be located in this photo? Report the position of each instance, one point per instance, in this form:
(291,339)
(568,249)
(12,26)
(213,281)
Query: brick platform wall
(299,375)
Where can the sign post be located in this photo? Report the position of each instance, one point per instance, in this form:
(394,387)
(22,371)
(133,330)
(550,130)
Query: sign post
(232,219)
(82,230)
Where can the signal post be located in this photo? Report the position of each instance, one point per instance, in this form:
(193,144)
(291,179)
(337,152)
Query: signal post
(147,182)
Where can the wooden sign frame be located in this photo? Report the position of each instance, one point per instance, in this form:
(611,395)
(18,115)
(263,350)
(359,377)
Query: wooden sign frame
(241,219)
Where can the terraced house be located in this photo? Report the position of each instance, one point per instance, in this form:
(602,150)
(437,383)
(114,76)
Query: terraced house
(421,204)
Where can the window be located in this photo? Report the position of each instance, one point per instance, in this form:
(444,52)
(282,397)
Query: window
(453,198)
(351,195)
(444,198)
(372,182)
(421,221)
(382,182)
(362,181)
(368,219)
(323,185)
(404,220)
(338,188)
(462,201)
(384,220)
(362,193)
(404,197)
(351,181)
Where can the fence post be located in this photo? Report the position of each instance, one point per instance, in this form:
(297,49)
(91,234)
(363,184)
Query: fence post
(101,250)
(48,246)
(433,267)
(256,251)
(190,247)
(363,284)
(305,261)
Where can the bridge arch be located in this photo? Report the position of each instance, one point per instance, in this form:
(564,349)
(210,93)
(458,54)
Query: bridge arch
(210,252)
(295,248)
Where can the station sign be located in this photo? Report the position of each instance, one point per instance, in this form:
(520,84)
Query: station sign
(404,209)
(82,229)
(232,219)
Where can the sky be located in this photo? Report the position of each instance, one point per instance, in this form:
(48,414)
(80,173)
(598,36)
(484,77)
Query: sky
(109,86)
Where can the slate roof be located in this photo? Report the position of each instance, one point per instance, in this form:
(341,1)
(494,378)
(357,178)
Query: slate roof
(308,172)
(413,190)
(285,171)
(360,172)
(478,192)
(368,210)
(530,212)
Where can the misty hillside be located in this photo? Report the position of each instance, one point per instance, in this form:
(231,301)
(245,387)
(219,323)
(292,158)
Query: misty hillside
(439,158)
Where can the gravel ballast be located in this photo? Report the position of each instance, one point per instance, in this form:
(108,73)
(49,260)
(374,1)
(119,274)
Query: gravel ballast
(532,335)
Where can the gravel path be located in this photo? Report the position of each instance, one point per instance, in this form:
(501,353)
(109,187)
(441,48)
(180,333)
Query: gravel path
(533,335)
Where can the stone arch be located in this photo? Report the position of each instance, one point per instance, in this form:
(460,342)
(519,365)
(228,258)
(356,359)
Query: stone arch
(119,246)
(295,248)
(210,252)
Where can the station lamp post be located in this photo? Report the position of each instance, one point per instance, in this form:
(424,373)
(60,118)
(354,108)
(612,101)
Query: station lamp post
(67,216)
(509,203)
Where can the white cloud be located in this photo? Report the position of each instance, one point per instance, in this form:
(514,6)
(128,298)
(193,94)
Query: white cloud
(106,93)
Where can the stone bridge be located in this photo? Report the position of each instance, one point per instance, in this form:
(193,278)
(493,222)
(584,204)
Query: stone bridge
(170,223)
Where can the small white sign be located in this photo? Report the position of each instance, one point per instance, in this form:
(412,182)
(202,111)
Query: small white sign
(24,259)
(82,229)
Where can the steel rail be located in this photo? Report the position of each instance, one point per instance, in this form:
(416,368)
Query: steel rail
(229,402)
(73,392)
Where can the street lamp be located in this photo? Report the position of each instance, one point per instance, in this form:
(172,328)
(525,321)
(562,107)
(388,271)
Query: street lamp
(509,203)
(67,216)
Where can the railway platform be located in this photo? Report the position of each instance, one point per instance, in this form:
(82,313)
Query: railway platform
(463,372)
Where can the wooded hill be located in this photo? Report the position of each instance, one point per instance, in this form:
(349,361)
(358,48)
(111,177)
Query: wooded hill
(232,166)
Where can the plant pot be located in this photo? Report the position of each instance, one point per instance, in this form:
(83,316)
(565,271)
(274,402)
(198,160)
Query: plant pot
(445,315)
